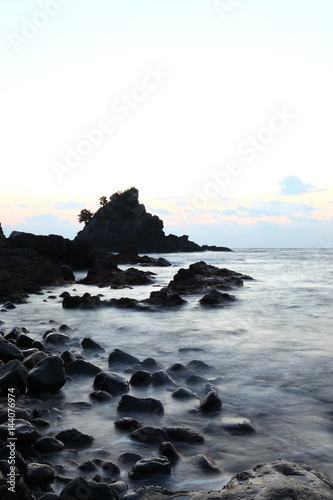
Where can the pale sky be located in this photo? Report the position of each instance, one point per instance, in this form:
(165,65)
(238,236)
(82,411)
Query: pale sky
(219,112)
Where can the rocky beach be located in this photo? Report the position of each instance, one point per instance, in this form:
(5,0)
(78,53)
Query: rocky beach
(132,376)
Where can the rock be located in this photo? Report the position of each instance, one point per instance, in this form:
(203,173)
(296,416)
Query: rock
(85,302)
(184,393)
(9,305)
(128,424)
(38,474)
(82,368)
(24,432)
(124,303)
(111,382)
(8,351)
(49,444)
(238,426)
(184,434)
(204,463)
(178,371)
(198,366)
(150,435)
(13,375)
(150,364)
(129,458)
(88,467)
(24,341)
(168,450)
(163,298)
(118,357)
(23,271)
(81,488)
(65,328)
(47,376)
(22,492)
(20,463)
(72,438)
(57,338)
(90,345)
(150,467)
(67,357)
(215,298)
(201,277)
(140,378)
(100,396)
(211,402)
(130,404)
(124,222)
(32,360)
(110,469)
(19,413)
(162,378)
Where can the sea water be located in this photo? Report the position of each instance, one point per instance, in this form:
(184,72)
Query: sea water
(270,353)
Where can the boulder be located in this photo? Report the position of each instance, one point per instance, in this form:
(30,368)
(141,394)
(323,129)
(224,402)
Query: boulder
(140,378)
(149,435)
(169,451)
(13,375)
(204,464)
(9,351)
(111,382)
(86,301)
(82,488)
(184,434)
(100,396)
(80,367)
(25,433)
(89,344)
(47,376)
(164,298)
(38,474)
(216,298)
(118,357)
(128,424)
(148,468)
(132,404)
(211,402)
(72,438)
(49,444)
(184,393)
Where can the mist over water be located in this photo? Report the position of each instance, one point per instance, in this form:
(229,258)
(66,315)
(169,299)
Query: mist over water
(270,353)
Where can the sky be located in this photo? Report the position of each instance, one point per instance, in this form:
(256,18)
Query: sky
(218,111)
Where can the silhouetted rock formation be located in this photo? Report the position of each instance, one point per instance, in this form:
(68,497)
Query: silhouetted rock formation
(123,221)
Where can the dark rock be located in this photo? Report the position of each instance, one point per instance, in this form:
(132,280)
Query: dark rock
(72,438)
(178,371)
(150,467)
(8,351)
(90,345)
(81,488)
(83,368)
(198,366)
(162,378)
(100,396)
(49,445)
(110,469)
(113,383)
(47,376)
(184,434)
(57,338)
(67,357)
(184,393)
(150,364)
(38,474)
(150,435)
(24,341)
(201,277)
(238,426)
(20,463)
(140,378)
(118,357)
(25,433)
(163,298)
(195,380)
(128,424)
(85,302)
(215,298)
(9,305)
(13,375)
(88,466)
(204,463)
(65,328)
(124,303)
(123,222)
(129,458)
(22,492)
(30,361)
(19,413)
(131,404)
(168,450)
(211,402)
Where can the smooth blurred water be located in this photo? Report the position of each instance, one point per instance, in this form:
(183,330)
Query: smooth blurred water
(273,349)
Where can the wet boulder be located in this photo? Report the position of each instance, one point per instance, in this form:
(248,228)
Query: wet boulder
(216,298)
(211,402)
(89,344)
(100,396)
(204,464)
(9,351)
(13,375)
(128,424)
(82,488)
(119,357)
(72,438)
(140,378)
(184,393)
(184,434)
(38,474)
(47,376)
(49,444)
(169,451)
(113,383)
(165,298)
(80,367)
(132,404)
(148,468)
(25,433)
(149,435)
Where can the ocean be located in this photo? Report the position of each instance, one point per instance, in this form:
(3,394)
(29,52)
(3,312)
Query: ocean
(270,353)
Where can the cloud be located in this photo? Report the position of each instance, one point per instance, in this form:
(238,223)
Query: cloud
(294,185)
(275,208)
(68,205)
(45,224)
(19,205)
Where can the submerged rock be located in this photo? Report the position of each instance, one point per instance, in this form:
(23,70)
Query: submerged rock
(132,404)
(72,438)
(149,467)
(82,488)
(113,383)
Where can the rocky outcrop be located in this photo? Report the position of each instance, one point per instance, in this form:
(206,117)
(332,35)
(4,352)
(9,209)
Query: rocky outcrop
(202,277)
(123,221)
(280,480)
(24,271)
